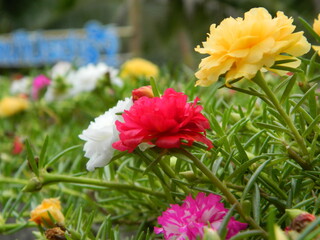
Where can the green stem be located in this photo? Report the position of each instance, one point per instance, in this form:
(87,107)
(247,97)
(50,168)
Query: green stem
(10,226)
(260,81)
(64,190)
(13,180)
(171,174)
(223,188)
(46,179)
(156,171)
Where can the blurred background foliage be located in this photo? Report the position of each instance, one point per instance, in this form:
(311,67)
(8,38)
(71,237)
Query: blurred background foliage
(165,31)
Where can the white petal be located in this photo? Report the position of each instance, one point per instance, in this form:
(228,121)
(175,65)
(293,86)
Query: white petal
(101,134)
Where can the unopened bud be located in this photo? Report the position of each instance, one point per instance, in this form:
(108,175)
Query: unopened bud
(293,213)
(145,91)
(189,175)
(33,185)
(210,234)
(301,221)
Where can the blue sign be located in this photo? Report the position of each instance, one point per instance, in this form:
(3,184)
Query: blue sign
(96,43)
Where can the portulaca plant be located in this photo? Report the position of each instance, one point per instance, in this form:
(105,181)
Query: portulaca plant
(232,154)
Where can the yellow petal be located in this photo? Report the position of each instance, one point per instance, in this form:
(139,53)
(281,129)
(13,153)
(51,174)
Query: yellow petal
(41,214)
(293,64)
(317,49)
(316,25)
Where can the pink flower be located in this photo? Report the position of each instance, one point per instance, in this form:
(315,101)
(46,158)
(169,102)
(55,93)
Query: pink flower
(188,220)
(166,122)
(39,83)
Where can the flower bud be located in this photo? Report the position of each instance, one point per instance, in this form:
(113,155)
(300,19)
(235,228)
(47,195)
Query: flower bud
(301,221)
(210,234)
(145,91)
(40,215)
(189,175)
(33,185)
(293,213)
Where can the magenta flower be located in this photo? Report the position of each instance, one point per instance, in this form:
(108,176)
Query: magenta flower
(39,83)
(188,220)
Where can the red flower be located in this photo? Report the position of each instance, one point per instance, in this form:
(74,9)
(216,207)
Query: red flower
(166,122)
(17,146)
(301,221)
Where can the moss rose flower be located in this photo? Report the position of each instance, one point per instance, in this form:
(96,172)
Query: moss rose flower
(138,67)
(189,220)
(12,105)
(40,215)
(240,47)
(101,134)
(39,83)
(166,122)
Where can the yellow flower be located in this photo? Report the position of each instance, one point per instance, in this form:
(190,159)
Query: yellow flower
(138,67)
(40,215)
(241,47)
(12,105)
(316,25)
(316,28)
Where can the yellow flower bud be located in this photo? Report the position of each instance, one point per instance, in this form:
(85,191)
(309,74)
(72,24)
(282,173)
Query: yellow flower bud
(40,215)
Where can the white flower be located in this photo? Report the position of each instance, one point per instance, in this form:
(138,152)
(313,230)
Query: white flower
(60,69)
(53,94)
(113,74)
(101,134)
(86,78)
(22,85)
(59,89)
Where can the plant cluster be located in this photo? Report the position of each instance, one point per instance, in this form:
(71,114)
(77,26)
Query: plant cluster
(152,156)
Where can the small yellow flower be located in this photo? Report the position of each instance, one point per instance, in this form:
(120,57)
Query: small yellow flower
(12,105)
(138,67)
(40,215)
(316,28)
(241,47)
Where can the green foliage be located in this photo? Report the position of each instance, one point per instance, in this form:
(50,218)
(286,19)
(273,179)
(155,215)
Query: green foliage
(265,160)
